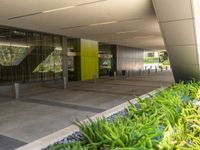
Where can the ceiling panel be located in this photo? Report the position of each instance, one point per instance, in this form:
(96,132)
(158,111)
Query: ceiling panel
(132,19)
(133,26)
(14,8)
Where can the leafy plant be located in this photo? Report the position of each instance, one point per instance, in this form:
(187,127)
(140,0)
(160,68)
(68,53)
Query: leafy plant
(167,120)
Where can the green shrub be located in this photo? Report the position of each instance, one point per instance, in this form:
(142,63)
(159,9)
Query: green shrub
(150,60)
(166,62)
(166,121)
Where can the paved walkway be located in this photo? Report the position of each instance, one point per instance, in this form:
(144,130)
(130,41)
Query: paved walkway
(44,110)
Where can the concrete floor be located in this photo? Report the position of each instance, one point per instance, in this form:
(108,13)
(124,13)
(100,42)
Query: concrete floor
(44,110)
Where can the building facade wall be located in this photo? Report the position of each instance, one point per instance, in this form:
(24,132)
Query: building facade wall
(74,60)
(129,59)
(107,59)
(28,56)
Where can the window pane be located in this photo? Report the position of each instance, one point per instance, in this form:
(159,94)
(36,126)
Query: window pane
(5,51)
(19,47)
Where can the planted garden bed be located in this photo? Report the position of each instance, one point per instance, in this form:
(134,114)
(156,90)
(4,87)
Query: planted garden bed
(168,120)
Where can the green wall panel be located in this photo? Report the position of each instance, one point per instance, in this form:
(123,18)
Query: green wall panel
(89,59)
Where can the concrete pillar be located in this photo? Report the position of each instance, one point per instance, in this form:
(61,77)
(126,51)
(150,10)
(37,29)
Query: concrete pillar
(64,61)
(180,26)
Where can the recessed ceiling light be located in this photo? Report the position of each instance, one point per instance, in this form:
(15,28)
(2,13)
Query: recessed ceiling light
(58,9)
(124,32)
(13,44)
(103,23)
(144,37)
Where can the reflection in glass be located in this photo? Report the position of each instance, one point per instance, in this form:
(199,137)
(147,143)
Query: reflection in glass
(53,63)
(73,59)
(107,60)
(5,55)
(29,56)
(5,51)
(19,48)
(51,66)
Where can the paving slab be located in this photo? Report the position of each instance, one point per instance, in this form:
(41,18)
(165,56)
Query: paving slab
(42,110)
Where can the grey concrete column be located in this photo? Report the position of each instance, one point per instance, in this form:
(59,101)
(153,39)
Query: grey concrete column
(64,61)
(179,25)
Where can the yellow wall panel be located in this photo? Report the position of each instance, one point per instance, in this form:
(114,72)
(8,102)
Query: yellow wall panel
(89,59)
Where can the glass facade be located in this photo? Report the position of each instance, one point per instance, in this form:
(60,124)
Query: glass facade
(107,59)
(27,56)
(73,59)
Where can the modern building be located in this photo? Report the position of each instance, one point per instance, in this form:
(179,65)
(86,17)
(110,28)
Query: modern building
(48,40)
(46,43)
